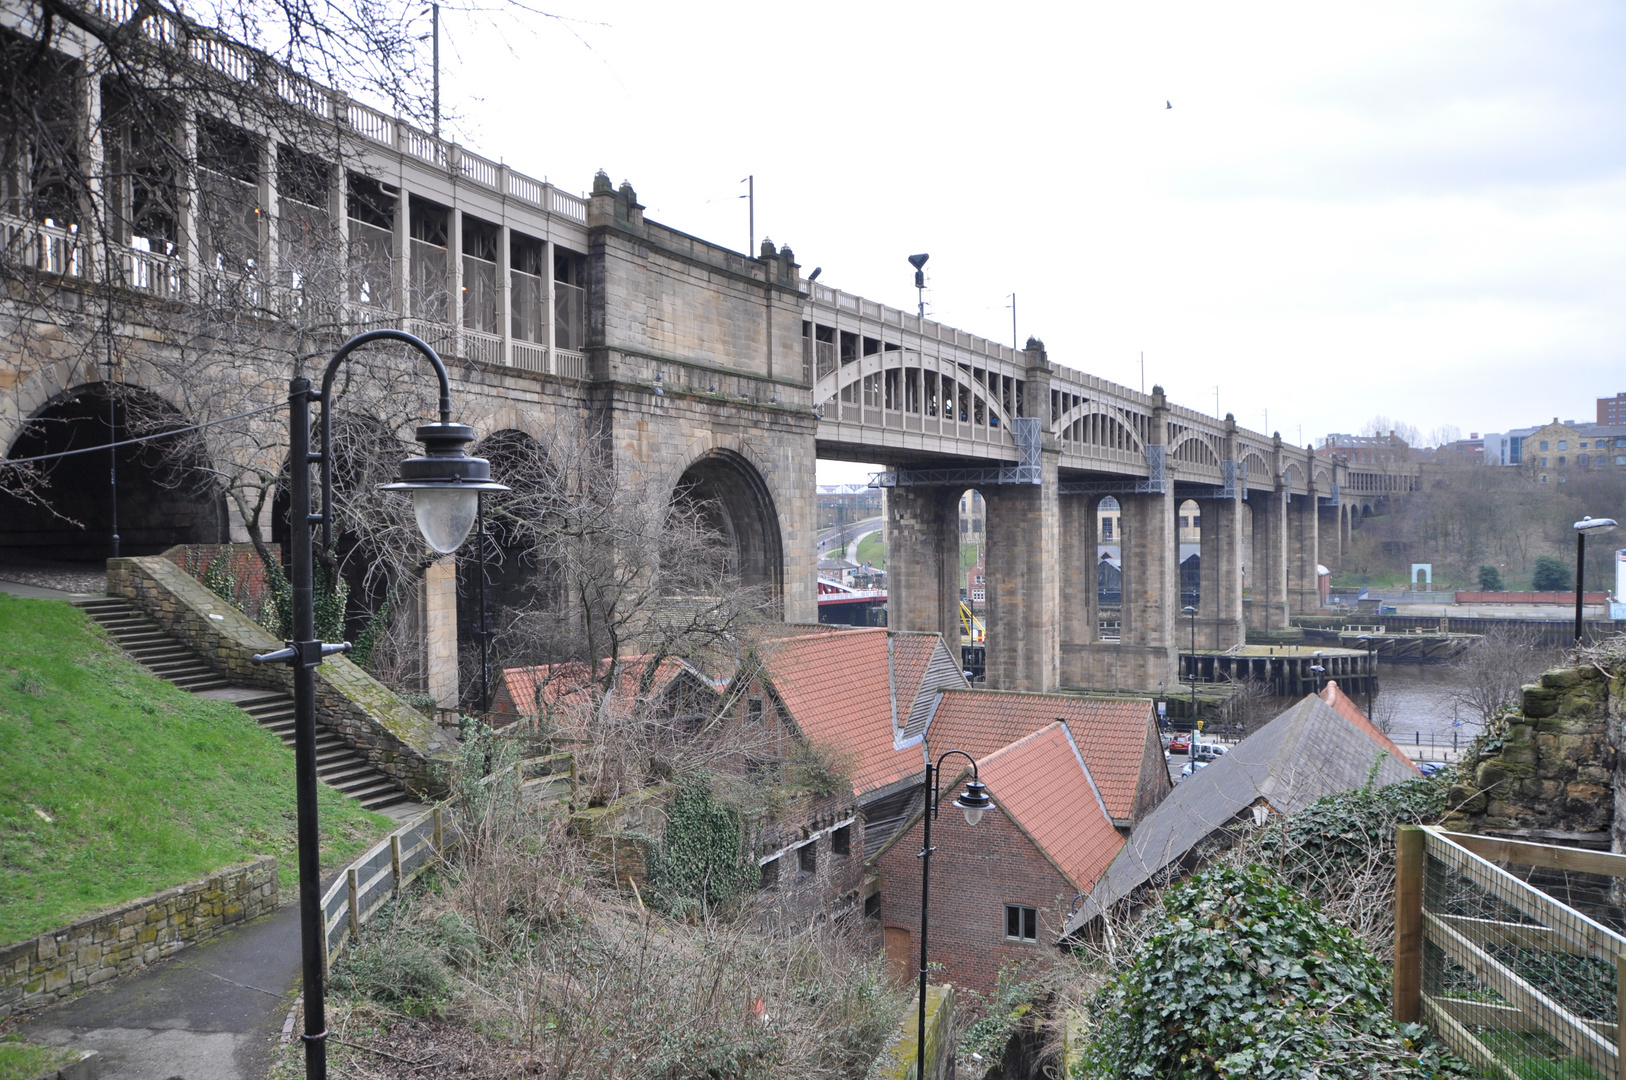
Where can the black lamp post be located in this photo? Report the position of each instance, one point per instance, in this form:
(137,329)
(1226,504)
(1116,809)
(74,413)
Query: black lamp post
(1582,527)
(1191,612)
(1371,671)
(1317,670)
(445,486)
(974,802)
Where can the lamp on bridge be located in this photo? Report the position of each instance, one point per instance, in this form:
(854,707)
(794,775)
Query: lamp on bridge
(445,484)
(973,802)
(919,263)
(1582,527)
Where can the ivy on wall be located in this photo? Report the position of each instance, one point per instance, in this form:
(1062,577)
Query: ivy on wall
(701,863)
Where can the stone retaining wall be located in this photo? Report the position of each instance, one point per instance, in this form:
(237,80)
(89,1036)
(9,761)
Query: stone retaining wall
(129,937)
(1554,769)
(395,738)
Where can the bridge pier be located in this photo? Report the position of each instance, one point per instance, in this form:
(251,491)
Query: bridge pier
(1303,587)
(923,561)
(1023,582)
(1078,523)
(1330,537)
(1219,604)
(1267,574)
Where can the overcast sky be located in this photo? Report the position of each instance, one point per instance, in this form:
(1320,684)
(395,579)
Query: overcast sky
(1406,209)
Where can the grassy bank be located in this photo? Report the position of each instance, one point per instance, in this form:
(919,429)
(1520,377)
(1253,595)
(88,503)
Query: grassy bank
(118,785)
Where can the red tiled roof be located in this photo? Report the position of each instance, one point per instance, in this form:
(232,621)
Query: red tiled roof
(564,685)
(838,689)
(1041,783)
(1347,708)
(1110,732)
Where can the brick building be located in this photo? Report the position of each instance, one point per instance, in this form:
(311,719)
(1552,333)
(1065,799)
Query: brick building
(1001,889)
(1612,410)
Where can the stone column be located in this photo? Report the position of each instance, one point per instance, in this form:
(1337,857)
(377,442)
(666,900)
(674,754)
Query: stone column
(1219,609)
(923,561)
(1330,537)
(1151,592)
(438,607)
(1303,587)
(1023,598)
(1078,595)
(1267,573)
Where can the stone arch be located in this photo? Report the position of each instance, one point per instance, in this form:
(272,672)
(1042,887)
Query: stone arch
(1195,448)
(735,499)
(1257,471)
(167,494)
(1092,424)
(1292,475)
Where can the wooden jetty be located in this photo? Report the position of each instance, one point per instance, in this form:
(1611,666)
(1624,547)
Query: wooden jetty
(1287,668)
(1426,644)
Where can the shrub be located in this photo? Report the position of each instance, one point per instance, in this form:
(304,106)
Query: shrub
(397,970)
(1490,579)
(1249,980)
(702,859)
(1552,575)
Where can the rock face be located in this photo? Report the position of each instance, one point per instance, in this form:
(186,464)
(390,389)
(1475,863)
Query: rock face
(1555,768)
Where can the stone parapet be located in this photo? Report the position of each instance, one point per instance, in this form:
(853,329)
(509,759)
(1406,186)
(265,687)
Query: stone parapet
(395,738)
(1554,766)
(131,936)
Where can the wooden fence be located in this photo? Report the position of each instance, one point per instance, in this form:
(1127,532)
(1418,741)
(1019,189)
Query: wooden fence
(1517,982)
(380,873)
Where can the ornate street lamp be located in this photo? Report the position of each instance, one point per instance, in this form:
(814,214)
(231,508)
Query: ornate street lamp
(445,484)
(973,802)
(1582,527)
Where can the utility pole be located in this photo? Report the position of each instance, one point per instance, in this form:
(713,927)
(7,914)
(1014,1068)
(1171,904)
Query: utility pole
(750,198)
(1143,371)
(1015,345)
(434,11)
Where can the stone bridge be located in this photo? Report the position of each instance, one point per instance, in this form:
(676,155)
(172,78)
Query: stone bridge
(704,367)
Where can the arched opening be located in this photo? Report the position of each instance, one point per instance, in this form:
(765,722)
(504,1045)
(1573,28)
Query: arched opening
(1109,574)
(732,498)
(166,493)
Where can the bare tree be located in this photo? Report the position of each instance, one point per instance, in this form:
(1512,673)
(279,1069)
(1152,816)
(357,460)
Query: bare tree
(1493,669)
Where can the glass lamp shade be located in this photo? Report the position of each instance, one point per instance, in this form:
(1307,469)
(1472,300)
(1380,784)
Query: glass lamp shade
(974,802)
(445,515)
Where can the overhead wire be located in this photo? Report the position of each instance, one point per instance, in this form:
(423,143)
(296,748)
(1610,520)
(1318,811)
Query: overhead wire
(140,439)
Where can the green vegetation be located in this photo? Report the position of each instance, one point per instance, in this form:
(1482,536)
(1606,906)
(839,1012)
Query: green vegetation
(1552,575)
(1249,979)
(24,1061)
(872,550)
(968,557)
(702,861)
(120,785)
(1490,579)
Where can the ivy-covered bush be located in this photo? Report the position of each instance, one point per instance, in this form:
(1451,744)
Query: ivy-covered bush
(702,862)
(1346,831)
(1249,980)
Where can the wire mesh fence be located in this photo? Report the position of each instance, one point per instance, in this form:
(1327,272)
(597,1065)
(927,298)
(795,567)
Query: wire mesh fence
(1517,955)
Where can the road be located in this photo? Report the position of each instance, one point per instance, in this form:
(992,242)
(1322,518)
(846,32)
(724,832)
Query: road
(855,530)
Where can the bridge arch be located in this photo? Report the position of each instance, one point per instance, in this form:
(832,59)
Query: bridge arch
(888,380)
(1090,423)
(1257,471)
(166,490)
(1195,448)
(735,500)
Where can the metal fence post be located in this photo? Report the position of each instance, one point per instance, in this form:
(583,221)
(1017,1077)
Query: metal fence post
(1408,986)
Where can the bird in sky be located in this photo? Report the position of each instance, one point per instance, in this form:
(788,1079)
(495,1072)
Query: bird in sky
(1168,104)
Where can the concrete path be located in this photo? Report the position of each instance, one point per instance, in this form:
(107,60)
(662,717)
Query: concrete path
(212,1012)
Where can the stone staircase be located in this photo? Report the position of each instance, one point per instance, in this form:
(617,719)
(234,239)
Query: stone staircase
(337,764)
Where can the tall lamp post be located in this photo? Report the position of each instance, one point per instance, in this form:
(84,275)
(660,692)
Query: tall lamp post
(445,484)
(974,802)
(1191,613)
(1582,527)
(1371,670)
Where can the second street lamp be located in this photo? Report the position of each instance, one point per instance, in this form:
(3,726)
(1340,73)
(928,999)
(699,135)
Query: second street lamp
(445,484)
(1191,612)
(1585,525)
(973,802)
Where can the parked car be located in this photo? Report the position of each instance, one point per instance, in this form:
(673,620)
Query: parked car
(1430,768)
(1192,767)
(1208,751)
(1180,744)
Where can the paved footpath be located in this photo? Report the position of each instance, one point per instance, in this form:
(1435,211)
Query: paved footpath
(211,1012)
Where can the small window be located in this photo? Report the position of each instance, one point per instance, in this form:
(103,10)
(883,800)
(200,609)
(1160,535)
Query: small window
(841,841)
(753,709)
(1544,478)
(1562,479)
(1620,459)
(770,874)
(1021,923)
(1563,444)
(1197,521)
(807,858)
(1544,444)
(1561,456)
(1543,463)
(1583,444)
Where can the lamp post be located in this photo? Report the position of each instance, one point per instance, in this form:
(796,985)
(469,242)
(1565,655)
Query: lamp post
(445,485)
(1191,612)
(1582,527)
(1317,670)
(1371,671)
(974,802)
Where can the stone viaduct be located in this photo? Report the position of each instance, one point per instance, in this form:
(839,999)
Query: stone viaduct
(722,371)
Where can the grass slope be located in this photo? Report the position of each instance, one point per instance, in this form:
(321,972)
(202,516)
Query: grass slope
(145,786)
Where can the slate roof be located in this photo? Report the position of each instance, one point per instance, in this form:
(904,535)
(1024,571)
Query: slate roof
(1309,751)
(1347,708)
(1042,783)
(1110,733)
